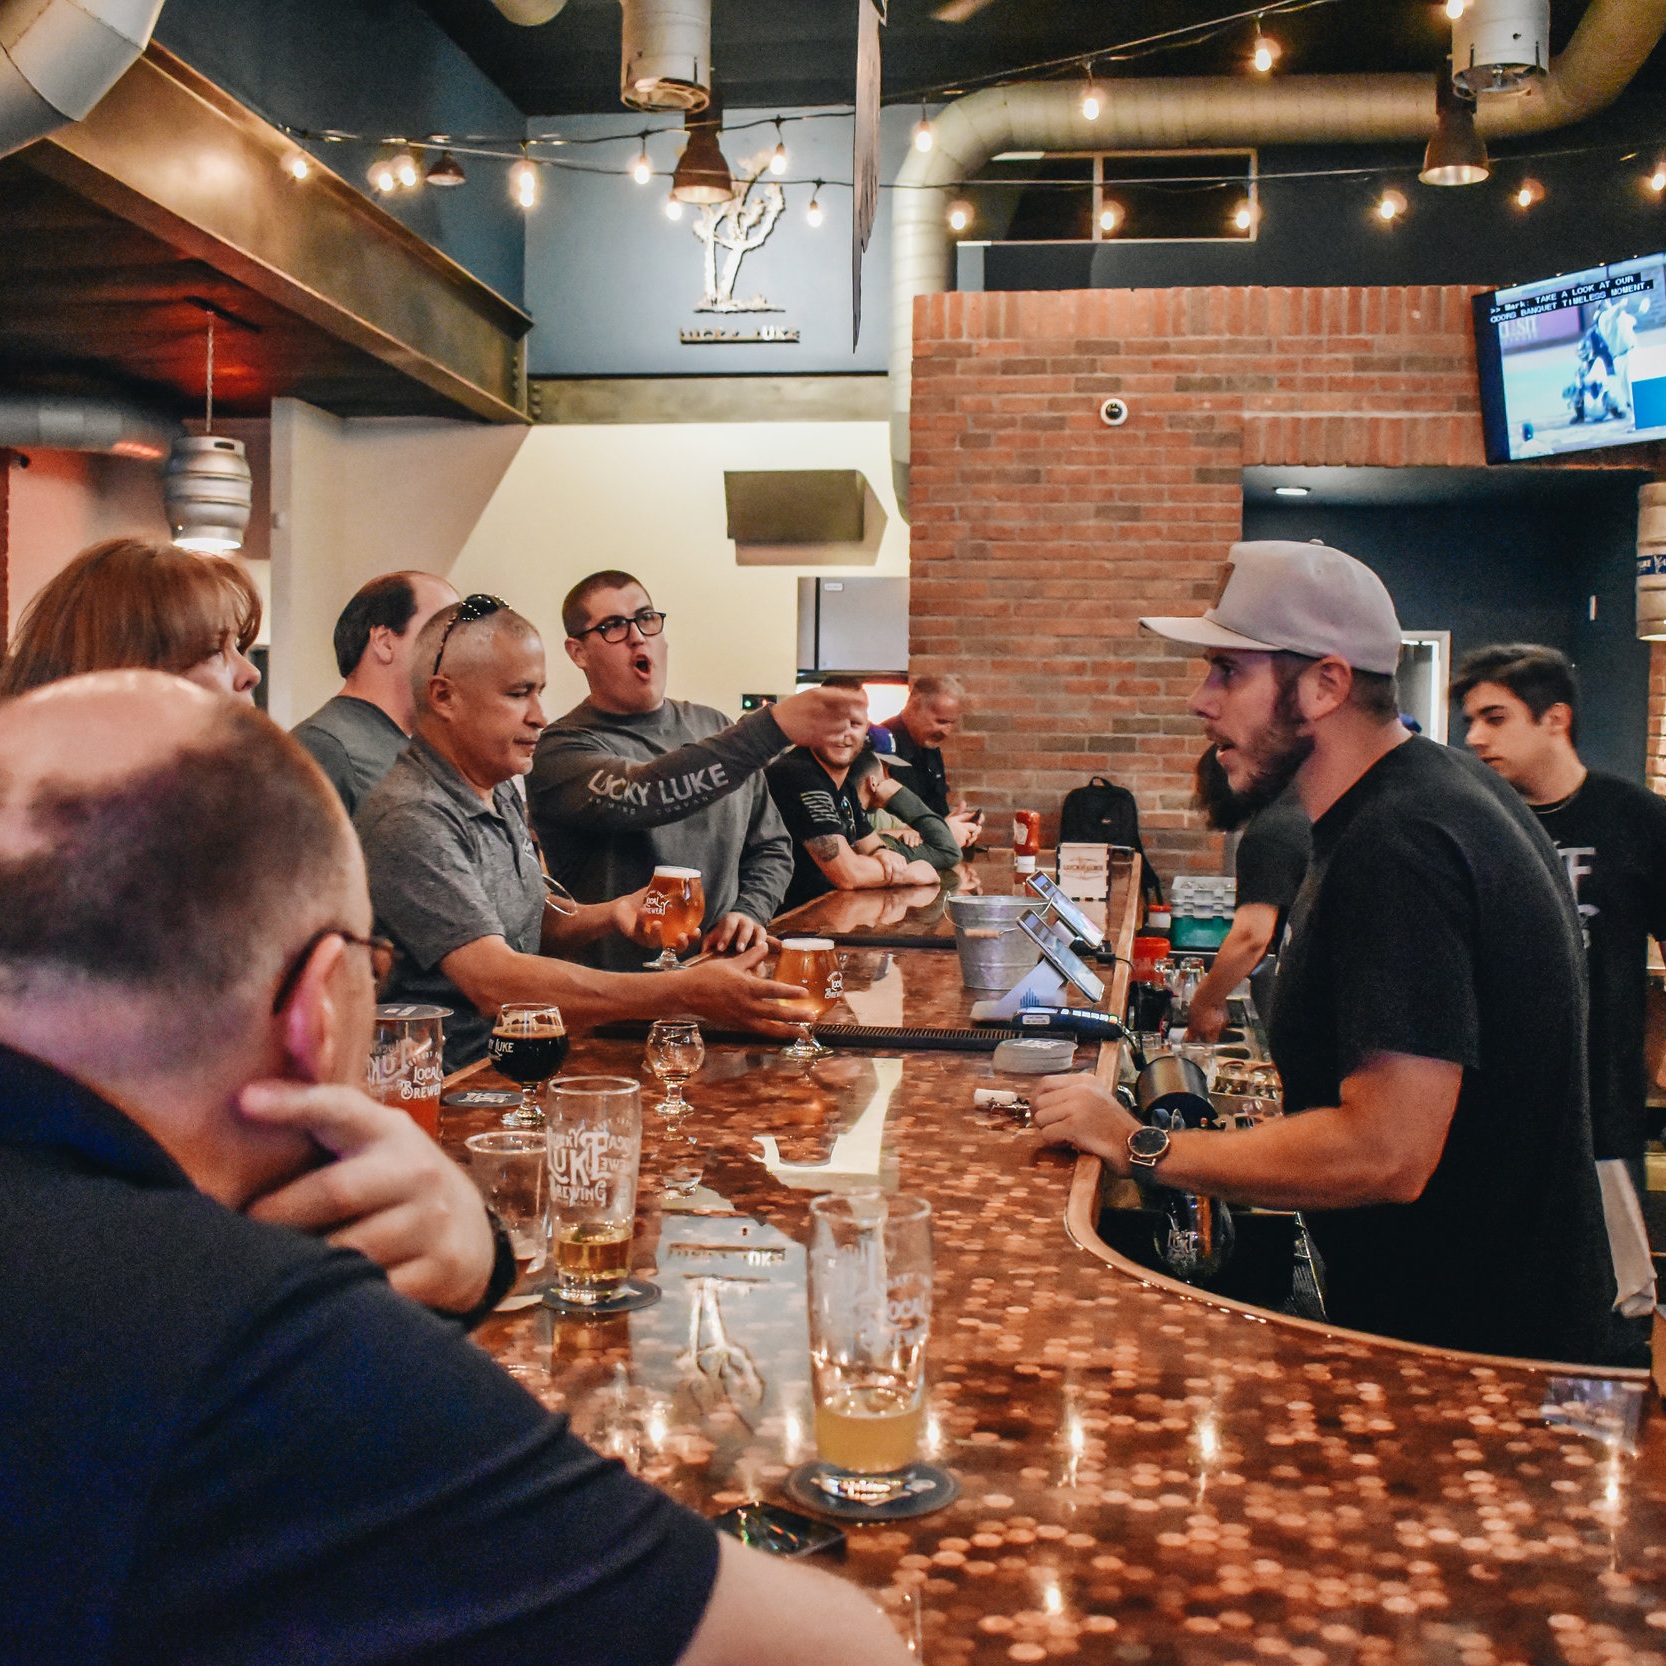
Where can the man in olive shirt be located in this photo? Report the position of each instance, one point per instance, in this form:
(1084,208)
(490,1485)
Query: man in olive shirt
(356,735)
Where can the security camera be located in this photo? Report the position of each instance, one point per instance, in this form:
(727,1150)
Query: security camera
(1113,413)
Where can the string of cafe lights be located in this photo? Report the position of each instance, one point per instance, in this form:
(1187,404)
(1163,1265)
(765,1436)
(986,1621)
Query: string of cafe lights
(402,165)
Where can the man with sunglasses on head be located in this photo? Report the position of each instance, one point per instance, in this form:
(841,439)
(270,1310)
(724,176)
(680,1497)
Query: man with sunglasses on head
(455,879)
(226,1440)
(628,780)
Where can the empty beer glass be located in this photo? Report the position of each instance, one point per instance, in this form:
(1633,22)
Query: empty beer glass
(812,964)
(870,1317)
(673,909)
(594,1132)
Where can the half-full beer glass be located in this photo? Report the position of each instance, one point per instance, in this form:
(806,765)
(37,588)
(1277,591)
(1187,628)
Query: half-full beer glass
(407,1061)
(593,1126)
(870,1317)
(813,964)
(672,910)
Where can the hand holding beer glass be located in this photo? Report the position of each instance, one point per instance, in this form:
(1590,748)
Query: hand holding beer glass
(528,1045)
(812,964)
(594,1135)
(671,912)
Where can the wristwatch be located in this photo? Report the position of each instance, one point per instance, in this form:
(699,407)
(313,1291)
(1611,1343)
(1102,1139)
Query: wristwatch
(1147,1147)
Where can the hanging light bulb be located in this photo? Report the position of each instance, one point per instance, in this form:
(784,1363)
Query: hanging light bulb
(1111,216)
(642,170)
(1529,192)
(922,132)
(1456,9)
(778,158)
(1456,154)
(673,209)
(1390,206)
(1245,215)
(382,176)
(813,213)
(1092,103)
(298,165)
(523,182)
(407,175)
(1264,50)
(960,215)
(1657,180)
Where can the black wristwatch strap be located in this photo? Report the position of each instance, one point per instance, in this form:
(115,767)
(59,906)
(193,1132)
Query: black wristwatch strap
(502,1281)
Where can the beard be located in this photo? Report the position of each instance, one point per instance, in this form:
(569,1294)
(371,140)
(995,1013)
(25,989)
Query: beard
(1274,757)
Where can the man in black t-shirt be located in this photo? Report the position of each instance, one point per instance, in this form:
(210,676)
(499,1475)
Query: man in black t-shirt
(929,717)
(1428,1024)
(834,845)
(1521,702)
(1270,864)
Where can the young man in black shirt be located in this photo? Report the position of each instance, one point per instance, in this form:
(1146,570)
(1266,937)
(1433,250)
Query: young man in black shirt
(1429,1019)
(1522,703)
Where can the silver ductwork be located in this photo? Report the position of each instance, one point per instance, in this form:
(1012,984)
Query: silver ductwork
(529,13)
(666,61)
(120,427)
(58,58)
(1608,48)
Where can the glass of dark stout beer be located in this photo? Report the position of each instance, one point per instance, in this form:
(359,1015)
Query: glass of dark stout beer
(672,910)
(528,1045)
(813,964)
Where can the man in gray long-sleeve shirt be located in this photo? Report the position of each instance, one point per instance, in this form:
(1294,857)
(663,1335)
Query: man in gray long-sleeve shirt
(629,780)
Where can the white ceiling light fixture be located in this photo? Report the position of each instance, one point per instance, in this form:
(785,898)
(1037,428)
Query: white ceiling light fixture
(1291,491)
(1501,46)
(207,489)
(666,54)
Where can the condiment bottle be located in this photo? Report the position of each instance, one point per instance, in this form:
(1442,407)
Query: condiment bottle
(1026,840)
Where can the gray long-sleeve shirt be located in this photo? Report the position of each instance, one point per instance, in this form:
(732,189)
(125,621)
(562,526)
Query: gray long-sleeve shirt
(614,795)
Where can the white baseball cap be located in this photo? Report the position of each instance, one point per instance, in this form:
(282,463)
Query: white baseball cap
(1283,597)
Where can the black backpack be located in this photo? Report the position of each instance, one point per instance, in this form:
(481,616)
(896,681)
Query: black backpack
(1102,813)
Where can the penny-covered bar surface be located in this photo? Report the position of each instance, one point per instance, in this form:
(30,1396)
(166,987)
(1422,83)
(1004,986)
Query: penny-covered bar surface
(1146,1474)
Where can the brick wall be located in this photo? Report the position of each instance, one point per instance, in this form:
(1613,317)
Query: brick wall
(1040,535)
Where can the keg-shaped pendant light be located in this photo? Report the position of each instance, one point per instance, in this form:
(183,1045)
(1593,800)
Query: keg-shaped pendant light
(207,489)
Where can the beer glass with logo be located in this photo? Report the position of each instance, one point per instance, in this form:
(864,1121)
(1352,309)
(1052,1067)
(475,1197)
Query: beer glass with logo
(594,1138)
(812,964)
(407,1061)
(672,910)
(528,1045)
(870,1317)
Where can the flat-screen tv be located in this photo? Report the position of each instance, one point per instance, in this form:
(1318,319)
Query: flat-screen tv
(1574,363)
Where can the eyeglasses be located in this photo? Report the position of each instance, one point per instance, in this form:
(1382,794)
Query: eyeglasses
(381,961)
(649,620)
(471,608)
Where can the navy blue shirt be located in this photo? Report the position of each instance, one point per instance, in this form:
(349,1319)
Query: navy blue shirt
(227,1442)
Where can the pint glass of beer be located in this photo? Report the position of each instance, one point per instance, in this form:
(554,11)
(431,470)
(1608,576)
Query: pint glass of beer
(812,964)
(870,1317)
(594,1137)
(673,909)
(407,1061)
(528,1044)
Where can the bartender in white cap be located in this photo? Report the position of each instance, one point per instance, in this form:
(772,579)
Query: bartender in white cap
(1428,1022)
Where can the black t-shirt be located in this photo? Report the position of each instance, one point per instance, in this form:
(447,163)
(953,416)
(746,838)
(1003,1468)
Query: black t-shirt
(227,1442)
(1612,838)
(1272,857)
(813,808)
(929,778)
(1435,921)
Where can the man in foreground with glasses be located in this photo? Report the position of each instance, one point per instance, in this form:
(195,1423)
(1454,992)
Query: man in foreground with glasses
(629,780)
(226,1439)
(455,880)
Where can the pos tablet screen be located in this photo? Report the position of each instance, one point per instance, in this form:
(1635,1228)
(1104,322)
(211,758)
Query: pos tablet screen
(1080,925)
(1058,954)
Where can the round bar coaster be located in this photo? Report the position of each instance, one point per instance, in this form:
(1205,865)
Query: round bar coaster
(633,1293)
(480,1099)
(929,1489)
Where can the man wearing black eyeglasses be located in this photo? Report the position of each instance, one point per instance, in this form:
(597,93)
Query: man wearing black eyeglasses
(629,780)
(224,1439)
(454,876)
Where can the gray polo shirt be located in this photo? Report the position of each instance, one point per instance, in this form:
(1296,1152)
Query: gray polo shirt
(445,870)
(355,744)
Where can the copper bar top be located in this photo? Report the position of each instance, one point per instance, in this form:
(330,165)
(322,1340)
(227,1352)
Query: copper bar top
(1146,1476)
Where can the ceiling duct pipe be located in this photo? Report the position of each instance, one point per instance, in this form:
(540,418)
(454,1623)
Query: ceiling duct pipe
(666,61)
(118,427)
(58,58)
(529,13)
(1607,49)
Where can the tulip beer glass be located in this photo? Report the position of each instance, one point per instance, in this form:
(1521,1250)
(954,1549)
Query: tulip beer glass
(594,1134)
(812,964)
(870,1317)
(672,910)
(528,1045)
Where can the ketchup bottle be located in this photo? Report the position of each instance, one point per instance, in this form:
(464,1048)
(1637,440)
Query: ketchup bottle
(1026,840)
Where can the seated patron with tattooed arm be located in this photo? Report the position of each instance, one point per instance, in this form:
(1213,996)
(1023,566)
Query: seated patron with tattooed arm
(454,877)
(629,780)
(834,845)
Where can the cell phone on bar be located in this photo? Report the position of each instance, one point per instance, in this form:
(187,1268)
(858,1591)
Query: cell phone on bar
(778,1530)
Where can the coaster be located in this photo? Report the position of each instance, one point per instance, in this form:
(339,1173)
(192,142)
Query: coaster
(633,1293)
(480,1099)
(929,1489)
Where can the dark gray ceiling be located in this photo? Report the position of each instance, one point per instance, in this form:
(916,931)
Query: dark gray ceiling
(778,53)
